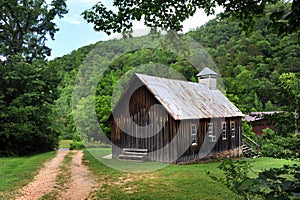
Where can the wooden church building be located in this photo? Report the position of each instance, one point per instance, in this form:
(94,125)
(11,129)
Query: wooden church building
(175,121)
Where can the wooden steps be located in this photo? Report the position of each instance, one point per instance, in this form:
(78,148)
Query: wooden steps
(250,147)
(248,152)
(134,154)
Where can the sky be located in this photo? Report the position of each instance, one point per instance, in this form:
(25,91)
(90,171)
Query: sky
(75,32)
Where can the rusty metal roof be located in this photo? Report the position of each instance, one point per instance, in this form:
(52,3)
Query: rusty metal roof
(188,100)
(256,116)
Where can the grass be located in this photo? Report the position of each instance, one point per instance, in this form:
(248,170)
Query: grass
(170,182)
(261,164)
(167,182)
(65,143)
(120,165)
(17,172)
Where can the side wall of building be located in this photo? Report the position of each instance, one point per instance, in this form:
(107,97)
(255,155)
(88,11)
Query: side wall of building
(211,138)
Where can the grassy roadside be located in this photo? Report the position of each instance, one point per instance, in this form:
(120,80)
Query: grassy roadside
(17,172)
(171,182)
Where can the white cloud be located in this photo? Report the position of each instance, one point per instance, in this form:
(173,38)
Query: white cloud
(74,19)
(85,3)
(195,21)
(198,19)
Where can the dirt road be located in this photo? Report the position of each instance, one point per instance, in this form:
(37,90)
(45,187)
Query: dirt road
(64,177)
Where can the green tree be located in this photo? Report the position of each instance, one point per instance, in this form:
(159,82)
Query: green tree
(247,130)
(290,95)
(68,66)
(278,146)
(26,120)
(251,65)
(24,26)
(170,14)
(28,84)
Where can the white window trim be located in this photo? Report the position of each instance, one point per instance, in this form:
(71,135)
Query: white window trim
(212,136)
(194,128)
(224,131)
(232,128)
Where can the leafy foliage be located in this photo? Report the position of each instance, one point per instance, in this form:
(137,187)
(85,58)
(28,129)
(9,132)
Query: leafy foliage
(277,146)
(280,183)
(247,130)
(76,143)
(273,183)
(170,14)
(27,94)
(28,85)
(25,25)
(251,65)
(236,172)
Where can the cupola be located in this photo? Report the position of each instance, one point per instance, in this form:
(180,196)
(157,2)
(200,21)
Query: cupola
(208,77)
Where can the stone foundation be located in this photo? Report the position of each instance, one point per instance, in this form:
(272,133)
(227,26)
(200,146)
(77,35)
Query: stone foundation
(232,153)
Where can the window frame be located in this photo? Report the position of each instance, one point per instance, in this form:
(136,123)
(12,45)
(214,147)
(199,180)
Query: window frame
(224,131)
(210,132)
(194,134)
(232,129)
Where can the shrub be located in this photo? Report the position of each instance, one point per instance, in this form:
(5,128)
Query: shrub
(75,145)
(97,144)
(277,146)
(275,151)
(247,130)
(274,183)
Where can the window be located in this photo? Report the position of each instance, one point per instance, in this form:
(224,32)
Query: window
(212,136)
(194,134)
(232,129)
(224,133)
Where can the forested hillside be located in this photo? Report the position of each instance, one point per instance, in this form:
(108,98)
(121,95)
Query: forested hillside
(69,65)
(254,67)
(260,71)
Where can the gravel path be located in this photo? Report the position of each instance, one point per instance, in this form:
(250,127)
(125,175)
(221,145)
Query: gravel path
(77,187)
(81,183)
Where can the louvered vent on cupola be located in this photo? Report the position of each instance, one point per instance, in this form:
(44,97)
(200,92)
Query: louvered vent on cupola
(208,77)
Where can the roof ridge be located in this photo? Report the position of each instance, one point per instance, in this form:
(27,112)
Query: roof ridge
(169,79)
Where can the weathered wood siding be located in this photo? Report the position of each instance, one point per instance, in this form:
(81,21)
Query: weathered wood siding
(205,146)
(139,106)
